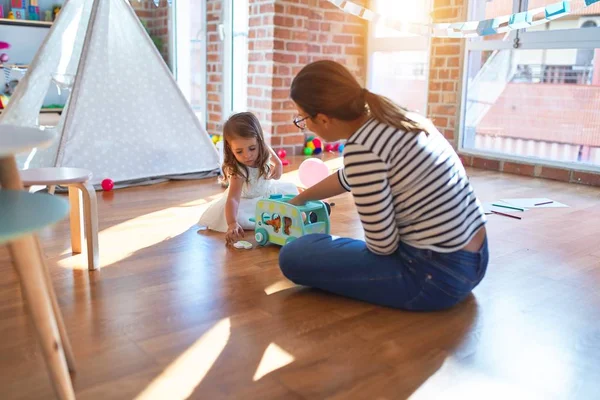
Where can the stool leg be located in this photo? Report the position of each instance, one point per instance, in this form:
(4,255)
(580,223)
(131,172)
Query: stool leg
(90,214)
(29,262)
(62,330)
(75,218)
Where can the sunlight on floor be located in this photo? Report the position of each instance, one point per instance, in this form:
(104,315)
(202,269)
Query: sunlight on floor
(279,286)
(183,375)
(273,358)
(122,240)
(457,381)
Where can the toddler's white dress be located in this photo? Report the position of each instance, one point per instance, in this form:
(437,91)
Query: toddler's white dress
(252,191)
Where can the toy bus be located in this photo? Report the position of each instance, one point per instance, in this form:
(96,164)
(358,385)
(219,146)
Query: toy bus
(279,222)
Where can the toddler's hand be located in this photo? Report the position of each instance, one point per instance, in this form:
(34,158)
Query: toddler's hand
(234,233)
(276,171)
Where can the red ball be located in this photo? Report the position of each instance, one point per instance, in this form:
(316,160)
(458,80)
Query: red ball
(285,162)
(336,146)
(281,153)
(317,143)
(328,147)
(108,184)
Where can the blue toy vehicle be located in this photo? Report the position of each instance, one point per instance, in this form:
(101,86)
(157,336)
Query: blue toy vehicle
(279,222)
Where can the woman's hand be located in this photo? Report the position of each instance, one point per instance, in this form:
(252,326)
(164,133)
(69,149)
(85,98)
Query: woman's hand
(234,233)
(297,201)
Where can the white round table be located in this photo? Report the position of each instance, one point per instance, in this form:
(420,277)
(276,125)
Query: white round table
(18,139)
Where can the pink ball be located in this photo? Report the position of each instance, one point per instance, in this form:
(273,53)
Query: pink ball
(336,146)
(281,153)
(3,57)
(108,184)
(312,171)
(317,143)
(328,147)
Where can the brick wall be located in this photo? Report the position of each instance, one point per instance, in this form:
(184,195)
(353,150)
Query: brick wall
(446,60)
(284,36)
(214,66)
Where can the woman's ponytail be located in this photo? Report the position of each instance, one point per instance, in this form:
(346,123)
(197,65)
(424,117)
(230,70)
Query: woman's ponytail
(384,110)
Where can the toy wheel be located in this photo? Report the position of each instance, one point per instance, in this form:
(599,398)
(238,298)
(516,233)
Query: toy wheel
(261,236)
(290,240)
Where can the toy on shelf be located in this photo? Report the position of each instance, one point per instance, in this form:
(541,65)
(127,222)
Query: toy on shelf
(3,56)
(56,11)
(18,9)
(279,222)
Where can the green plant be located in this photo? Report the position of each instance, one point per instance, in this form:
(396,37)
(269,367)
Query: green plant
(158,42)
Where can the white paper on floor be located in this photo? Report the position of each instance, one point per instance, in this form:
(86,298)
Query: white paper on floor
(531,203)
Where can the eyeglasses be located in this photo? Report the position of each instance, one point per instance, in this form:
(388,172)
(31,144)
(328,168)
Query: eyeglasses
(300,122)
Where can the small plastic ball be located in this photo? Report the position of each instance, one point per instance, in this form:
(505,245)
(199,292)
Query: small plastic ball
(308,151)
(336,147)
(108,184)
(310,145)
(281,153)
(328,147)
(341,148)
(317,143)
(285,162)
(317,151)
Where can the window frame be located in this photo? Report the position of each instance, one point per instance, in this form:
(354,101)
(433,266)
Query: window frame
(228,36)
(394,44)
(180,12)
(578,38)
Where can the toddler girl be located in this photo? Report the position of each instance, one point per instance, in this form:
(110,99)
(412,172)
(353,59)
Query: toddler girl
(252,169)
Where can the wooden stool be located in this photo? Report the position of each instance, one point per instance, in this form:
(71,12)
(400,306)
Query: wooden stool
(77,181)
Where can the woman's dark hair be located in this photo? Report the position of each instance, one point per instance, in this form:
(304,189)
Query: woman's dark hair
(328,88)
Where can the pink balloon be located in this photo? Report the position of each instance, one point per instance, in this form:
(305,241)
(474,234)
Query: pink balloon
(312,171)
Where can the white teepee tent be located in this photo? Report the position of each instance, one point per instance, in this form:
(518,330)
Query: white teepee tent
(126,118)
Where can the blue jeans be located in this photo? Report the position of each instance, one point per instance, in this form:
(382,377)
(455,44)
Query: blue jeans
(410,279)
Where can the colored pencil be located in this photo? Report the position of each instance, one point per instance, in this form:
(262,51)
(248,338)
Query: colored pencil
(541,204)
(506,215)
(511,207)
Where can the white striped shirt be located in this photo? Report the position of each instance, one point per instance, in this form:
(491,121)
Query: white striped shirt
(411,188)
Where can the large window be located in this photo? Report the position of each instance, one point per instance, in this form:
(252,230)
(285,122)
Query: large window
(399,62)
(235,29)
(534,94)
(190,52)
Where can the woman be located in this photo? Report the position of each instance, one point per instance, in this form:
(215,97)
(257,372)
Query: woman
(425,242)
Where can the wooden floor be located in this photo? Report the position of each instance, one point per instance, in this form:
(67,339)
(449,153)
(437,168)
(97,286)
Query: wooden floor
(173,314)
